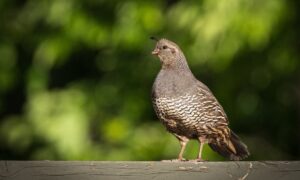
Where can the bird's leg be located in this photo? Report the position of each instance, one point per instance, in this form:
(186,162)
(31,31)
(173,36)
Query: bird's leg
(183,142)
(183,145)
(202,141)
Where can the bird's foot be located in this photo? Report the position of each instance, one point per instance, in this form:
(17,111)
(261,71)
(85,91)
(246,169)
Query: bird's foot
(197,160)
(175,160)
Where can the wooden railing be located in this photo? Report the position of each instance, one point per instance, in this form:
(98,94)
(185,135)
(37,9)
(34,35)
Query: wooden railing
(106,170)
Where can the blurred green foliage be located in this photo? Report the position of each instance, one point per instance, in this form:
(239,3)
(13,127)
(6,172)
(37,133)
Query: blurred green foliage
(76,76)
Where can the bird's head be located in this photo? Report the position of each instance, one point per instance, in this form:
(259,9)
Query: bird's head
(168,52)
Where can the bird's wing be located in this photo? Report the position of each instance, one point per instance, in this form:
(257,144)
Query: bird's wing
(214,120)
(210,106)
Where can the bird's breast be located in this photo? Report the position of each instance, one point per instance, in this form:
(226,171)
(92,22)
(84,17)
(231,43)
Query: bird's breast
(173,85)
(183,109)
(177,107)
(180,114)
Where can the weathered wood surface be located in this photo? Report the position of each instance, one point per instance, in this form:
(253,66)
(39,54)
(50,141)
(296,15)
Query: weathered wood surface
(90,170)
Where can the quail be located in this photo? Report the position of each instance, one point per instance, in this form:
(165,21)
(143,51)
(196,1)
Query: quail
(188,109)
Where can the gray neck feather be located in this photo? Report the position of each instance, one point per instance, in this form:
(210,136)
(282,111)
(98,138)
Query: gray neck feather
(179,64)
(174,79)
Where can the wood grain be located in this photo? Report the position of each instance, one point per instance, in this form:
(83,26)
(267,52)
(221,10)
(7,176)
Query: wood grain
(90,170)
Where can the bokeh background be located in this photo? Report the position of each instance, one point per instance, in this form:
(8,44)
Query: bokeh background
(76,75)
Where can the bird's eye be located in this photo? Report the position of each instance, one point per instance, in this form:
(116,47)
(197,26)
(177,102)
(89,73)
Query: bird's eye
(165,47)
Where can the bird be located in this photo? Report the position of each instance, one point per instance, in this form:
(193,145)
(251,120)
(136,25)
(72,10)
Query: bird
(187,107)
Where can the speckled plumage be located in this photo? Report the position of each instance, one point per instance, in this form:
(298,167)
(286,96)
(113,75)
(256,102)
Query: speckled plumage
(187,107)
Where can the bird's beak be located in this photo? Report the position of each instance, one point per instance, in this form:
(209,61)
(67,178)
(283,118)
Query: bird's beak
(155,52)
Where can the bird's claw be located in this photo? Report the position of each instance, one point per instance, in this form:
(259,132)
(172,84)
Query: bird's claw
(197,160)
(175,160)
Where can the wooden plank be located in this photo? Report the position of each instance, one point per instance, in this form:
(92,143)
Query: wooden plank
(90,170)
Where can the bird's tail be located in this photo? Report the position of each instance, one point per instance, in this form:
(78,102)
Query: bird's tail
(235,149)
